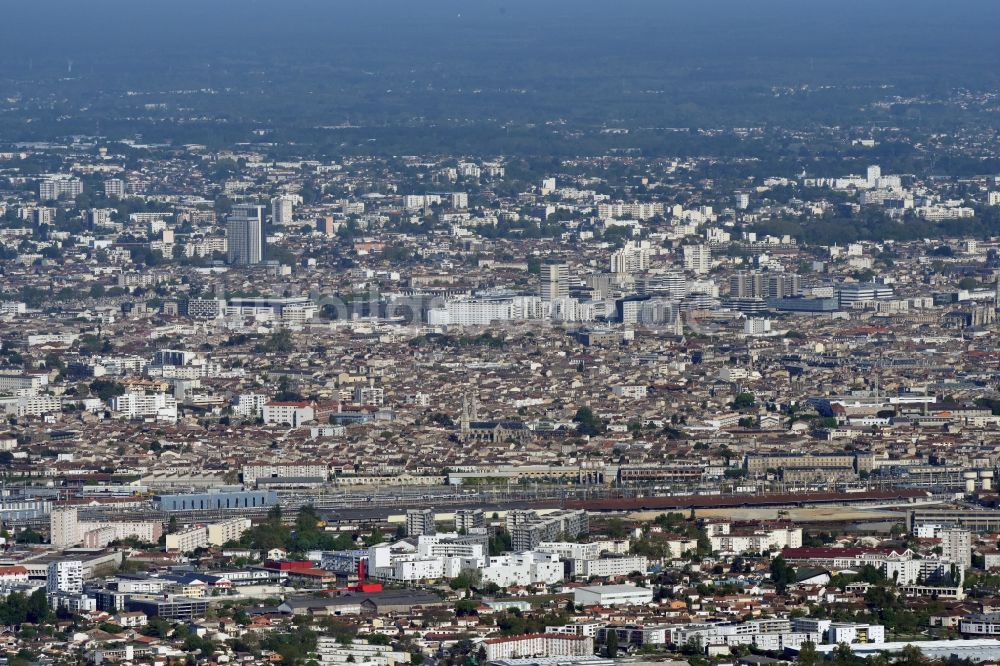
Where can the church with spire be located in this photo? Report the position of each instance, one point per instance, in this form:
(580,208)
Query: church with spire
(488,432)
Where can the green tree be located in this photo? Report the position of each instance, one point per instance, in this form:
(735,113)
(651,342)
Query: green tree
(588,422)
(782,574)
(37,606)
(611,644)
(808,656)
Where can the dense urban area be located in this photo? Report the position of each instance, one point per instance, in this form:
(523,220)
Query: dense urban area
(505,388)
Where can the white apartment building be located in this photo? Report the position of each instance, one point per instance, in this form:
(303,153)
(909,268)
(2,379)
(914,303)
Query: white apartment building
(756,326)
(569,550)
(65,576)
(697,259)
(450,545)
(23,384)
(249,405)
(956,545)
(47,339)
(291,414)
(607,567)
(471,312)
(834,633)
(331,652)
(34,405)
(302,469)
(411,568)
(141,405)
(538,645)
(525,568)
(633,258)
(227,530)
(64,530)
(100,534)
(114,187)
(58,186)
(629,391)
(282,209)
(188,540)
(757,540)
(369,395)
(633,210)
(206,308)
(13,308)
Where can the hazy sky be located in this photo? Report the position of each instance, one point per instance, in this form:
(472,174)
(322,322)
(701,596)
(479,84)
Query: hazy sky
(98,30)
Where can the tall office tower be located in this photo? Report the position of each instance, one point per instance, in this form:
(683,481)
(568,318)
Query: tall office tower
(555,282)
(697,258)
(114,188)
(282,209)
(874,173)
(420,521)
(245,234)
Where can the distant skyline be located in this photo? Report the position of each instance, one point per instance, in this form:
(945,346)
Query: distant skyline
(511,32)
(460,75)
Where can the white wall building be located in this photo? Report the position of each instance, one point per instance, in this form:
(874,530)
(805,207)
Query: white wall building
(161,406)
(697,259)
(612,595)
(292,414)
(525,568)
(65,576)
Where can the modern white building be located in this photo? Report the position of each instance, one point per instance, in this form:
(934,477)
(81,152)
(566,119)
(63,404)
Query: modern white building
(612,595)
(525,568)
(755,539)
(633,258)
(65,576)
(607,567)
(249,405)
(554,282)
(161,406)
(291,414)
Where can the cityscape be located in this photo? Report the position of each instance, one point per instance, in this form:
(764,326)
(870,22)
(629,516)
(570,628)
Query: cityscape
(495,334)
